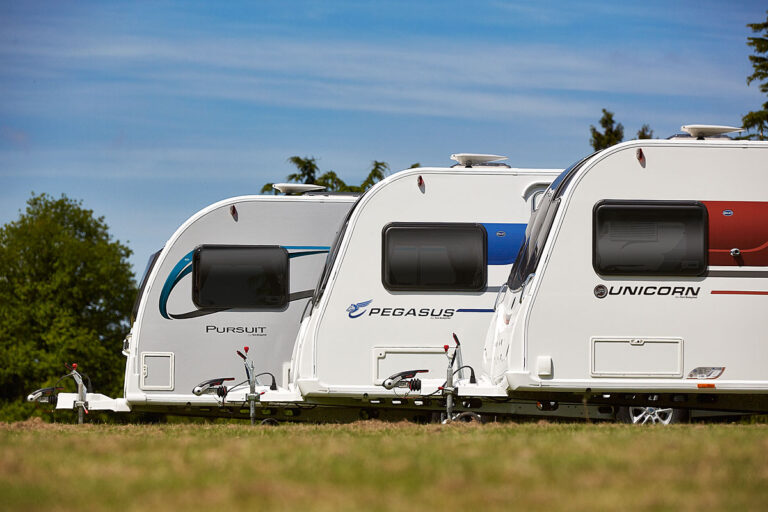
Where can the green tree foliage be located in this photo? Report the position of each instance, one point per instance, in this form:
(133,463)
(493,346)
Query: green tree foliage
(378,171)
(332,182)
(66,290)
(645,132)
(268,189)
(307,171)
(758,120)
(612,133)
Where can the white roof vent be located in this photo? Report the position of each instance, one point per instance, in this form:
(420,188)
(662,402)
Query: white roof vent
(708,130)
(296,188)
(470,159)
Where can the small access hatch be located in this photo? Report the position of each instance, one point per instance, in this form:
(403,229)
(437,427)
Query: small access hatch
(637,357)
(157,371)
(391,360)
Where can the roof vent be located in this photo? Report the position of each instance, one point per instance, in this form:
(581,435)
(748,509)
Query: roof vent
(708,130)
(470,159)
(296,188)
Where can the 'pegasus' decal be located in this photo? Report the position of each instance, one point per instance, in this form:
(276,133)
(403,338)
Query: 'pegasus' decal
(353,308)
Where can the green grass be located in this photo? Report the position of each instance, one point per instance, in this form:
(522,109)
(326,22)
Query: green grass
(379,466)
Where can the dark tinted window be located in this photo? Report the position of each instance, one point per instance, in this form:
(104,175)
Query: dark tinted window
(537,232)
(650,238)
(143,284)
(229,276)
(434,257)
(333,254)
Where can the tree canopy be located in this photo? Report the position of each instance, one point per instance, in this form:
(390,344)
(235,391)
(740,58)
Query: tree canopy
(758,120)
(612,133)
(645,132)
(307,171)
(66,290)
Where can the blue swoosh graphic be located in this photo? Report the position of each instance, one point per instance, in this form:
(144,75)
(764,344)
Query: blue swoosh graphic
(184,267)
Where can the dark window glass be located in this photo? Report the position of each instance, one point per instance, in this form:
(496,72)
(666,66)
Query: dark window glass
(231,276)
(333,254)
(537,231)
(434,257)
(147,270)
(650,238)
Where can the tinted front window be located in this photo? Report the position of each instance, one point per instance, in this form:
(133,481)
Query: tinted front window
(537,232)
(434,257)
(649,238)
(144,277)
(228,276)
(333,254)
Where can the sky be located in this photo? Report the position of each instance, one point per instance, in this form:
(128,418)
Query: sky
(149,111)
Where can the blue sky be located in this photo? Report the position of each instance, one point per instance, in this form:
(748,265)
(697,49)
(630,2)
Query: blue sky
(149,111)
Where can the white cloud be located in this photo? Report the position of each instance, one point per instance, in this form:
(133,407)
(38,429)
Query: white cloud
(424,77)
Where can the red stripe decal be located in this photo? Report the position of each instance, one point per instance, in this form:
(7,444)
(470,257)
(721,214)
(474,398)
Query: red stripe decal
(736,292)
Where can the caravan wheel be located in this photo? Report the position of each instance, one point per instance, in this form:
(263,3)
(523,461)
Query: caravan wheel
(661,415)
(468,417)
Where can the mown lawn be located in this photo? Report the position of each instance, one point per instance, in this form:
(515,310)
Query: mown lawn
(380,466)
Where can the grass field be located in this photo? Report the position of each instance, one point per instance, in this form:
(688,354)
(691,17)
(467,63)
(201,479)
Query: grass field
(380,466)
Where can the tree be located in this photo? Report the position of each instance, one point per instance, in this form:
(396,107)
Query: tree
(378,171)
(645,132)
(758,120)
(307,169)
(66,290)
(611,134)
(268,189)
(332,182)
(307,173)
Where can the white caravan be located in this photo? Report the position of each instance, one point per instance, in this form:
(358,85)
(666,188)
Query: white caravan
(238,273)
(420,258)
(643,280)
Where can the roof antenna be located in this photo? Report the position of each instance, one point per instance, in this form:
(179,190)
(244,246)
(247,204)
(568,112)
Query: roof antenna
(700,131)
(470,159)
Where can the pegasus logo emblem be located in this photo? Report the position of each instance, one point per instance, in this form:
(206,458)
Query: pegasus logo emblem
(354,308)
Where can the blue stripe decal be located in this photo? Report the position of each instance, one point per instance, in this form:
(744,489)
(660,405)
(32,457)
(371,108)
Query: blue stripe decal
(322,248)
(466,310)
(182,268)
(504,241)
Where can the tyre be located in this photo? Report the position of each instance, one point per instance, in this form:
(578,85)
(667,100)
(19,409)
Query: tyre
(660,415)
(468,417)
